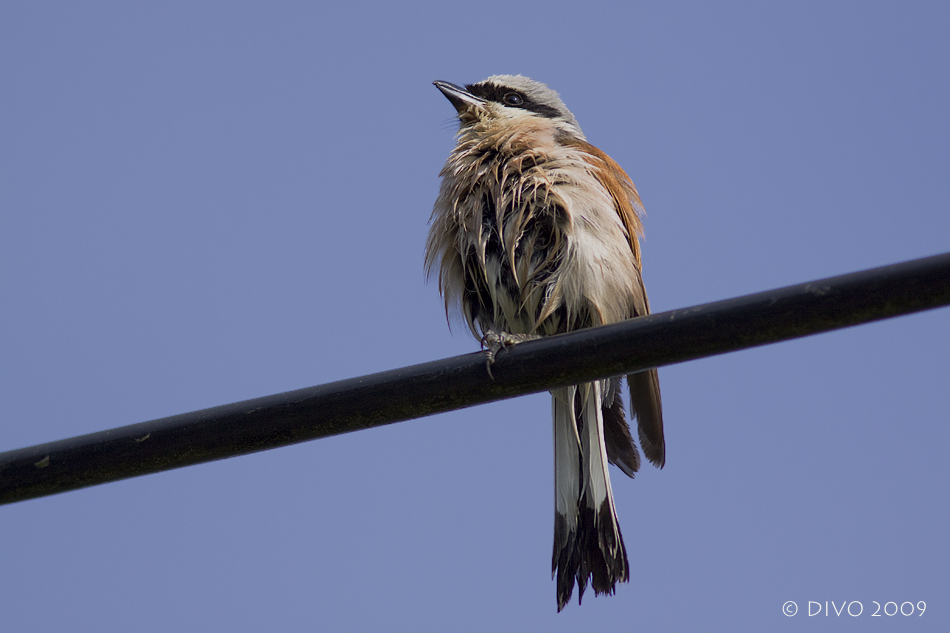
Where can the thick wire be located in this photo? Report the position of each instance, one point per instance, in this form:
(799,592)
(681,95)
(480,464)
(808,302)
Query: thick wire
(454,383)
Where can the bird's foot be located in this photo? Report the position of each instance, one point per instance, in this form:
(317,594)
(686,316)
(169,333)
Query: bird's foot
(494,342)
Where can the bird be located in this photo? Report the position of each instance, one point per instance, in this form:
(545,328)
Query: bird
(535,232)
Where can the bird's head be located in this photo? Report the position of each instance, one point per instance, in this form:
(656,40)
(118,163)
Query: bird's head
(503,99)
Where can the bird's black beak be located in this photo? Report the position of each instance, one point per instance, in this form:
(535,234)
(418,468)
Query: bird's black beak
(461,98)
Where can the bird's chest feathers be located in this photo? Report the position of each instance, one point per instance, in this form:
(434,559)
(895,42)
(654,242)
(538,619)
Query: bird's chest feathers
(526,218)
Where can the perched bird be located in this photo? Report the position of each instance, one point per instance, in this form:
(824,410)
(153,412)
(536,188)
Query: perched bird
(536,232)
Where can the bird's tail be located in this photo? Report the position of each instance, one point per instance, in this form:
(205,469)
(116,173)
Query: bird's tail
(587,540)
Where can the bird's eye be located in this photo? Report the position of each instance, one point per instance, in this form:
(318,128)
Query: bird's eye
(513,99)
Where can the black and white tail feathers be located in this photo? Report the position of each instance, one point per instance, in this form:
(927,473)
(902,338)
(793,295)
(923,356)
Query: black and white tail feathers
(590,429)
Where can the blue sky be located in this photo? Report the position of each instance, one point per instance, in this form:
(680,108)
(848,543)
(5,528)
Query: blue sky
(205,202)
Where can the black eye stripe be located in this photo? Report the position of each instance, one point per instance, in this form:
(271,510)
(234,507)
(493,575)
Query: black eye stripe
(492,92)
